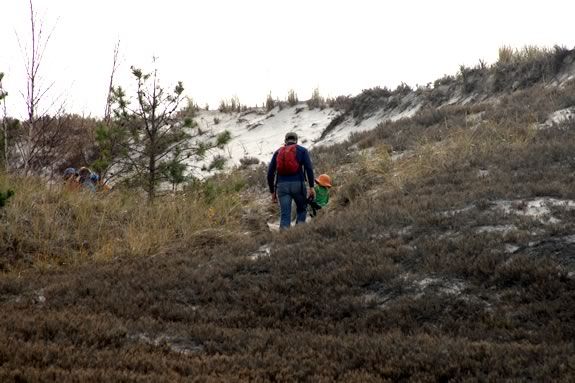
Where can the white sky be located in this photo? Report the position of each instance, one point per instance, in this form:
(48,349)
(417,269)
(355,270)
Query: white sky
(221,48)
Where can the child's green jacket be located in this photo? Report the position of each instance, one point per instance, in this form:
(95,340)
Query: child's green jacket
(321,195)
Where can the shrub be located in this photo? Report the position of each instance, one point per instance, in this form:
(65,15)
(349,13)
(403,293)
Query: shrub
(522,68)
(216,121)
(5,196)
(223,138)
(402,90)
(270,102)
(340,103)
(247,161)
(368,101)
(292,98)
(505,54)
(230,106)
(217,163)
(446,80)
(316,100)
(235,104)
(473,78)
(332,125)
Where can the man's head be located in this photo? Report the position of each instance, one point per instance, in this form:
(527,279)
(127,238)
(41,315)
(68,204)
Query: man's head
(84,173)
(291,138)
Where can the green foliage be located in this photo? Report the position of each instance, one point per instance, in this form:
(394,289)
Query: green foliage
(218,163)
(189,122)
(223,138)
(219,187)
(174,171)
(110,139)
(5,196)
(201,149)
(149,138)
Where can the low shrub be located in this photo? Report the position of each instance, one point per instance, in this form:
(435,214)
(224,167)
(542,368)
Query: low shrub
(270,102)
(247,161)
(292,99)
(316,100)
(217,163)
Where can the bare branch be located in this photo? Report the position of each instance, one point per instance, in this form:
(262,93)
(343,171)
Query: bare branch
(108,110)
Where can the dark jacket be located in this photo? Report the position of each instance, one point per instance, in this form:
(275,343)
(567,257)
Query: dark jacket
(305,171)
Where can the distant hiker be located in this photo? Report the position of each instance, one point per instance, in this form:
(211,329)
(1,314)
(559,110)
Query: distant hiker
(70,173)
(288,171)
(100,185)
(85,179)
(323,184)
(71,179)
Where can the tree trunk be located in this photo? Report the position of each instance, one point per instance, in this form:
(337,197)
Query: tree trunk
(5,133)
(151,187)
(31,91)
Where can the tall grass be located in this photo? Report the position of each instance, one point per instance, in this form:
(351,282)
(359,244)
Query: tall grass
(509,55)
(47,224)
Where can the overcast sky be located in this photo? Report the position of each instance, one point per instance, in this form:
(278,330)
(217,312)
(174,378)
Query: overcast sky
(221,48)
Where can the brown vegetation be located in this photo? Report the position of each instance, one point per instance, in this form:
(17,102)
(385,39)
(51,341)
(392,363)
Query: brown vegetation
(416,271)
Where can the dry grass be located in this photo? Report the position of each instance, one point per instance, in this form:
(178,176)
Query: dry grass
(48,225)
(396,281)
(529,53)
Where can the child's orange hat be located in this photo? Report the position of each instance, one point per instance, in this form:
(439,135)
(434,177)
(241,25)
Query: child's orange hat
(324,180)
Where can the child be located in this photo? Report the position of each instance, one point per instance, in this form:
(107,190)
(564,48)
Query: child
(323,183)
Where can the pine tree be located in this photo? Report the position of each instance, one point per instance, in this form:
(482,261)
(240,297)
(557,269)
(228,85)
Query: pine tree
(150,143)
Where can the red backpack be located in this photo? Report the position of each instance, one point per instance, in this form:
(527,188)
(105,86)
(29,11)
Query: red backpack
(287,162)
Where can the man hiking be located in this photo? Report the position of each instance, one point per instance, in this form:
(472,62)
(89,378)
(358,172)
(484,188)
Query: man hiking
(287,173)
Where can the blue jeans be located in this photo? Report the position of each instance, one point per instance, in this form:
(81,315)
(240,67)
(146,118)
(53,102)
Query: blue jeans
(288,191)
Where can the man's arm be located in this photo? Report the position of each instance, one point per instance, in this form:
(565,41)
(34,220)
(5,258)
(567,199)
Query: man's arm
(272,173)
(308,168)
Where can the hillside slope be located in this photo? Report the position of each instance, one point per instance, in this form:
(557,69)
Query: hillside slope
(447,253)
(257,133)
